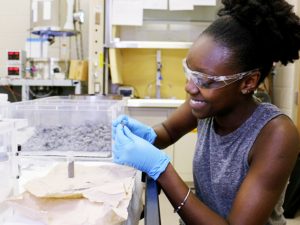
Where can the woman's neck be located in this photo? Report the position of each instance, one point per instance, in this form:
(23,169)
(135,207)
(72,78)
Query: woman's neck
(228,123)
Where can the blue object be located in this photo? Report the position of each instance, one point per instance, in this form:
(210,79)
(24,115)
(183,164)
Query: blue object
(131,150)
(55,33)
(152,209)
(136,127)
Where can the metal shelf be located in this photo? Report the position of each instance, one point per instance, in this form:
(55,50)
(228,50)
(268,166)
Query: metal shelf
(32,82)
(150,44)
(26,83)
(159,103)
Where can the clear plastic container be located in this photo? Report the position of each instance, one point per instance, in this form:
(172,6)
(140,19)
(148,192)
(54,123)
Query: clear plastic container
(6,182)
(6,153)
(4,105)
(67,127)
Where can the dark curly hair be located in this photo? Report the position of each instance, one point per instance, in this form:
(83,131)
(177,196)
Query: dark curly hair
(259,33)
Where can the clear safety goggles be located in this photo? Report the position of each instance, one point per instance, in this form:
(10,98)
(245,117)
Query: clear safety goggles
(202,80)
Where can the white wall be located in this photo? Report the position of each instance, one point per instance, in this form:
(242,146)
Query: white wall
(284,90)
(15,25)
(286,81)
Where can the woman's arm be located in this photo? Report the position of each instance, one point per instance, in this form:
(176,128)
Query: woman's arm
(271,161)
(179,123)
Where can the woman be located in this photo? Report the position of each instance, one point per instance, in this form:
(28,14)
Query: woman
(245,150)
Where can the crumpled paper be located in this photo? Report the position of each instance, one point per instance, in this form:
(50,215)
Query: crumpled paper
(96,195)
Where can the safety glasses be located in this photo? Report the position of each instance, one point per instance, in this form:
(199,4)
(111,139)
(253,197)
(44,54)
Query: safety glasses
(202,80)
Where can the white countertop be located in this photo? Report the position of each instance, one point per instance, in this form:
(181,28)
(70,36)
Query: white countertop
(161,103)
(37,82)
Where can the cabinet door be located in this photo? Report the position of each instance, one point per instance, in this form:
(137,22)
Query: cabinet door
(151,117)
(183,156)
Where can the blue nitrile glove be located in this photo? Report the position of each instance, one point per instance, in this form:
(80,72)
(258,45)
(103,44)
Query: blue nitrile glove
(131,150)
(136,127)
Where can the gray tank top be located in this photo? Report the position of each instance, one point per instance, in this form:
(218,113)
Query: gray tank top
(221,162)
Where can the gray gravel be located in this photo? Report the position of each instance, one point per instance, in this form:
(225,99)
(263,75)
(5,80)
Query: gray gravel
(88,137)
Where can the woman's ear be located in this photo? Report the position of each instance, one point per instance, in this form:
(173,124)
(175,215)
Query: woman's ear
(250,83)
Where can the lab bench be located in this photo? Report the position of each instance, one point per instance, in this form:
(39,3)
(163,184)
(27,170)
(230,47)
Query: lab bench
(24,85)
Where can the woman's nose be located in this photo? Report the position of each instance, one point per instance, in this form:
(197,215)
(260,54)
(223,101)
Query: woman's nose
(191,88)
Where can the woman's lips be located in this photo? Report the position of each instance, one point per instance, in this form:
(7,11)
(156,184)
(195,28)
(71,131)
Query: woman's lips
(194,103)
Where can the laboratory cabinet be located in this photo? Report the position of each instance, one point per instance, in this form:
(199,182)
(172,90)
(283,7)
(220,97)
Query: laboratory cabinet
(128,24)
(144,45)
(183,156)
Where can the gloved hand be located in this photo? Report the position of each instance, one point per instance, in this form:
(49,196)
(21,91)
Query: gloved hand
(136,127)
(131,150)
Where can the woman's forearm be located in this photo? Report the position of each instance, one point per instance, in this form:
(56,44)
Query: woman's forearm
(193,211)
